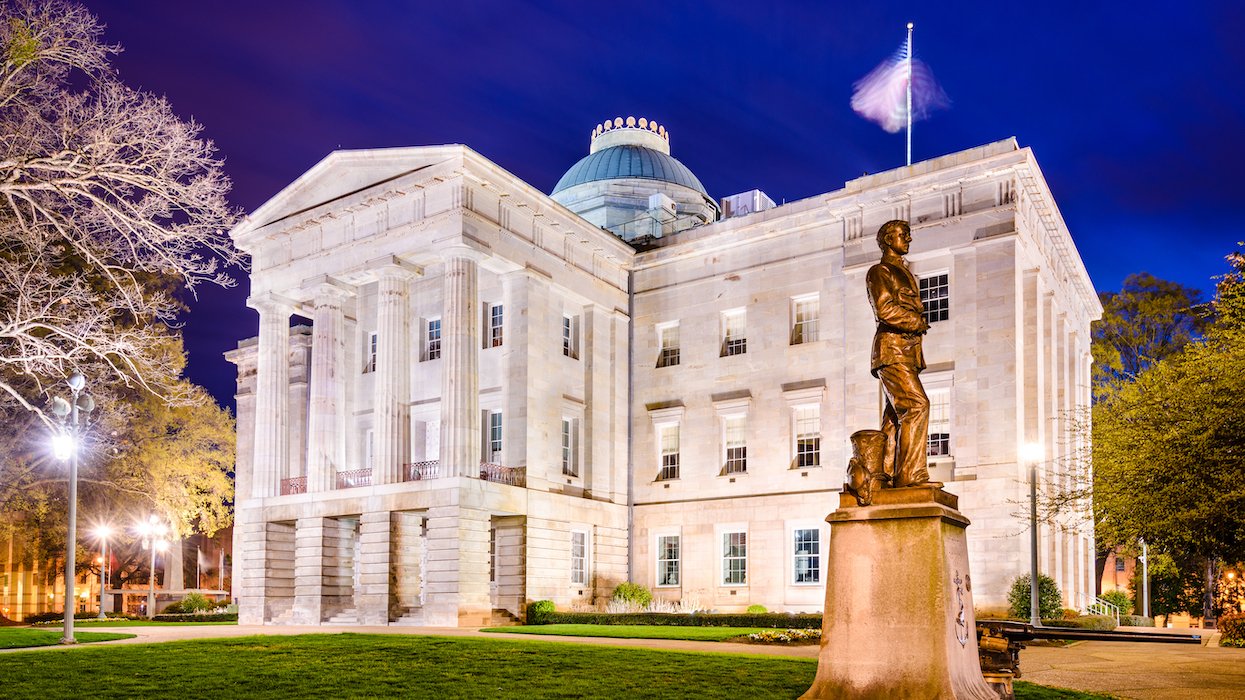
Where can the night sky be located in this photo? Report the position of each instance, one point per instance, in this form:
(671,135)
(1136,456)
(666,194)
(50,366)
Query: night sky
(1136,113)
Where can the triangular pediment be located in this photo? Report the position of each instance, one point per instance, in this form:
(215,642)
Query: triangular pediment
(343,173)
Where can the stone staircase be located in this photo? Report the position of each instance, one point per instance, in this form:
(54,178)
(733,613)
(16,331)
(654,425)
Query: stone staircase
(348,616)
(410,617)
(504,618)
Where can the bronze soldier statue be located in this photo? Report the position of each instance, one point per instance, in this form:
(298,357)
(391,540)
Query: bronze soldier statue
(897,359)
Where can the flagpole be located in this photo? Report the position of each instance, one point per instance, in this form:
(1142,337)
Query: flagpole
(909,93)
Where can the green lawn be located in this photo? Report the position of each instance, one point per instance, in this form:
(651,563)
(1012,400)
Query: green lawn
(354,665)
(699,634)
(18,637)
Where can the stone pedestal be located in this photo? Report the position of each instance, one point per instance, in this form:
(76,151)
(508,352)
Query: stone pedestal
(899,607)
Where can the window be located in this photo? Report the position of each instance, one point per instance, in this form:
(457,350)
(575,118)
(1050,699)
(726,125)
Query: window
(734,429)
(804,312)
(493,336)
(807,555)
(494,436)
(579,557)
(807,436)
(668,560)
(668,437)
(939,444)
(668,341)
(432,340)
(570,336)
(570,463)
(1119,563)
(369,353)
(734,340)
(936,296)
(734,558)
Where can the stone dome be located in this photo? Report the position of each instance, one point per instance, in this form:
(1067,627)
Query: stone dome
(624,161)
(630,184)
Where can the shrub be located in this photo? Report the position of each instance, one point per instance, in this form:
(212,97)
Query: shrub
(1232,630)
(633,593)
(754,609)
(1120,600)
(1050,602)
(787,636)
(196,602)
(538,611)
(174,608)
(196,617)
(1086,622)
(1136,621)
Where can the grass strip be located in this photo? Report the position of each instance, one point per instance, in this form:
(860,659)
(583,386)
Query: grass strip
(699,634)
(21,637)
(354,666)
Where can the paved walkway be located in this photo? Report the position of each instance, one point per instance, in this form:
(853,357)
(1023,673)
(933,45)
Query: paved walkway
(1128,670)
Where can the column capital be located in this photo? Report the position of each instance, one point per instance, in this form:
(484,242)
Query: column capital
(393,267)
(461,250)
(268,302)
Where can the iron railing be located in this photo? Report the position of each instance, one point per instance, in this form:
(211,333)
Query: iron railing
(292,486)
(418,471)
(489,471)
(514,476)
(354,478)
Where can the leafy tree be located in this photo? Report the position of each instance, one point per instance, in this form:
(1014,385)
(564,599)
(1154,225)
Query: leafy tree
(1169,451)
(1148,320)
(110,206)
(1175,587)
(1050,600)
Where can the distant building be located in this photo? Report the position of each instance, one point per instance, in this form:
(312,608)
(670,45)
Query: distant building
(504,396)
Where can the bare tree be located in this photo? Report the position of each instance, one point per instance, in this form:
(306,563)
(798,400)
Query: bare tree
(110,205)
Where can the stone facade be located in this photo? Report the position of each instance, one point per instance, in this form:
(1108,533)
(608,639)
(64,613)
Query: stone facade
(498,401)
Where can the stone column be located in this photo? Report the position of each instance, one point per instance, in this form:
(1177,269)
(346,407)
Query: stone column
(326,449)
(272,370)
(375,568)
(309,570)
(460,369)
(392,388)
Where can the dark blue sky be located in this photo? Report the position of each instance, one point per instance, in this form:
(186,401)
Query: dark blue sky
(1136,112)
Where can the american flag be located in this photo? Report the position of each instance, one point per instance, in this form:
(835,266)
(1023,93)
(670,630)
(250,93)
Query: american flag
(881,95)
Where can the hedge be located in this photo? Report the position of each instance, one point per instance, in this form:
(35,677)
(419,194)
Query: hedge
(1087,622)
(773,620)
(38,618)
(1232,630)
(1136,621)
(197,617)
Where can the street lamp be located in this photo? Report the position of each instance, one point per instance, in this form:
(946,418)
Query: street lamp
(1032,453)
(1145,580)
(152,531)
(66,444)
(102,533)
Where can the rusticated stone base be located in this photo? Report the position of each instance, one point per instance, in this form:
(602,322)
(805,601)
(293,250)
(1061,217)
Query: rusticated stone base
(899,607)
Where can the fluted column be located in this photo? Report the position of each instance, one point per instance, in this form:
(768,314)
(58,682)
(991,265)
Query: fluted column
(460,369)
(326,453)
(392,388)
(272,382)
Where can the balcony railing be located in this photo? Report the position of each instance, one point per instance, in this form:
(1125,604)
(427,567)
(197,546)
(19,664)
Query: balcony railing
(514,476)
(354,478)
(419,471)
(296,485)
(497,473)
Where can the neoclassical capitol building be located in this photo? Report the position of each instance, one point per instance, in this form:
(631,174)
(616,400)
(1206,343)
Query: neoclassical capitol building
(467,394)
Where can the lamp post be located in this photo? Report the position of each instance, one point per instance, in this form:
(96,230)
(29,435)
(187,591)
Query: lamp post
(1145,580)
(66,445)
(1032,453)
(101,533)
(152,531)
